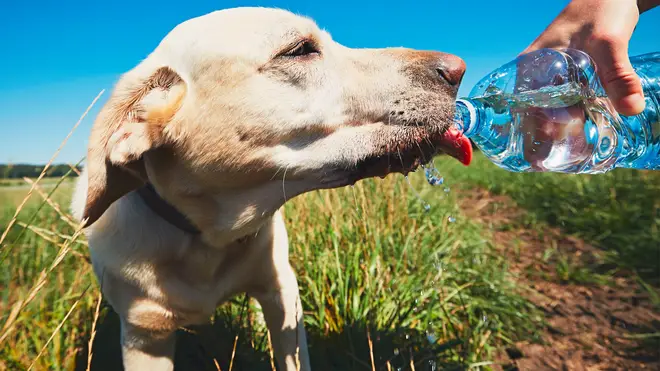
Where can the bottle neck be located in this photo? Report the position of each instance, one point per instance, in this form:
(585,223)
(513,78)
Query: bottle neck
(466,117)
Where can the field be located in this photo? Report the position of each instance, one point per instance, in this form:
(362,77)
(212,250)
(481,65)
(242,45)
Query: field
(504,271)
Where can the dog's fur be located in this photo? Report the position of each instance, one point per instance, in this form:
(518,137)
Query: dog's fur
(227,124)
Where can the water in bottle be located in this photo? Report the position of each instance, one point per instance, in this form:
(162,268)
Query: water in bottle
(547,111)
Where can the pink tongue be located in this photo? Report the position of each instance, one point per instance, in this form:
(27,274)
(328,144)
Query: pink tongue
(457,145)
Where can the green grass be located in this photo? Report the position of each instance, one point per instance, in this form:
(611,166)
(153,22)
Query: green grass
(12,191)
(374,257)
(25,255)
(367,257)
(618,212)
(371,264)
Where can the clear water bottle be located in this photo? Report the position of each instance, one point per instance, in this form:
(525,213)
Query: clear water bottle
(547,111)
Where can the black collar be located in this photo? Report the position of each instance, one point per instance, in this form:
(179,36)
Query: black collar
(166,211)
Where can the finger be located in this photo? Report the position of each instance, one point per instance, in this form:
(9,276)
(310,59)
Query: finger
(621,83)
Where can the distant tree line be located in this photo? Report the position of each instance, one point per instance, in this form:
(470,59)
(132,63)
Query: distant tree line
(18,171)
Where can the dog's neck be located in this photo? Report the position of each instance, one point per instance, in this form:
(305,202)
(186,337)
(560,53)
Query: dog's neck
(165,210)
(169,213)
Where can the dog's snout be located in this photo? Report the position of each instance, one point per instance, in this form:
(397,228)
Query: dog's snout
(450,68)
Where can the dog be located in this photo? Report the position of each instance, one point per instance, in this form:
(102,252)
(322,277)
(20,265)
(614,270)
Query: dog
(200,145)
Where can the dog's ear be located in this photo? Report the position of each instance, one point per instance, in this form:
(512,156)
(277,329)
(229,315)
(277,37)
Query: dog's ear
(132,122)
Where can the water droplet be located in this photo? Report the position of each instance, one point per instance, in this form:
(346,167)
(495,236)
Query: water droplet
(432,364)
(355,201)
(484,319)
(536,143)
(451,219)
(438,266)
(432,175)
(447,189)
(431,337)
(407,336)
(427,207)
(396,351)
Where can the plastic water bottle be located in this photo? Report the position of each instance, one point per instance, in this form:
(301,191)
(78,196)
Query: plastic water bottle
(547,111)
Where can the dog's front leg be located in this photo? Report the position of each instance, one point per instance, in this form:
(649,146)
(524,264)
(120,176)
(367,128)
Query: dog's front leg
(145,350)
(283,314)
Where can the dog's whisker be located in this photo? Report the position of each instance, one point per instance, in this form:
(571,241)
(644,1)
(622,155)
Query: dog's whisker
(421,152)
(284,183)
(276,172)
(426,138)
(389,161)
(426,123)
(398,150)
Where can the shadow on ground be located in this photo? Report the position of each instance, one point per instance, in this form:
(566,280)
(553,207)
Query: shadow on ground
(198,348)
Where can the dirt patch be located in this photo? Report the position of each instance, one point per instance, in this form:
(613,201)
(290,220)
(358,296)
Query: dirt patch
(589,325)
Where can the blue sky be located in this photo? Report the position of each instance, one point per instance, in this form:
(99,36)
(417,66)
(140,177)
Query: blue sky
(56,56)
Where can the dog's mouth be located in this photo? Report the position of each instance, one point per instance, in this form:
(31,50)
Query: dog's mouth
(418,148)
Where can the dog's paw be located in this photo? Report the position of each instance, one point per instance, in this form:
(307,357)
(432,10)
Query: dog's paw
(129,143)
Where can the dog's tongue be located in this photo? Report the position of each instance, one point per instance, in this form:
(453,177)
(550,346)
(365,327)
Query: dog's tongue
(457,145)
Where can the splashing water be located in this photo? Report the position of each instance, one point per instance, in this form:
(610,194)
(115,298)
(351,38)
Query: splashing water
(451,219)
(432,175)
(427,207)
(438,266)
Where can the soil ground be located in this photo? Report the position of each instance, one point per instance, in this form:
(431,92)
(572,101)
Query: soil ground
(589,326)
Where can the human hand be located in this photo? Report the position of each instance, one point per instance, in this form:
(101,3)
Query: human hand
(602,29)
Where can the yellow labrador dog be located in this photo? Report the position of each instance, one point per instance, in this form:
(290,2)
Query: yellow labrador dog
(234,113)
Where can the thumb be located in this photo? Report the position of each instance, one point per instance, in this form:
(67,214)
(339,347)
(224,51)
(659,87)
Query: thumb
(621,83)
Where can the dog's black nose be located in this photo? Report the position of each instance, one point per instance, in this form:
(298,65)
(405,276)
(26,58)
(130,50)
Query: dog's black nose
(450,68)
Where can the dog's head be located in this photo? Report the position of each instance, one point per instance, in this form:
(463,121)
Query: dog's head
(238,110)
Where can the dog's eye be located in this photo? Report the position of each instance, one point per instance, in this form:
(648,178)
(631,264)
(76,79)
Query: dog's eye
(303,48)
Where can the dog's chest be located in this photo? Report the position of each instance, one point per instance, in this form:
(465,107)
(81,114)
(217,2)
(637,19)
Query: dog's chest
(203,277)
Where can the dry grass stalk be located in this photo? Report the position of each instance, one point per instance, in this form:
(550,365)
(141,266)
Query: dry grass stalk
(57,329)
(270,351)
(40,282)
(371,350)
(43,172)
(51,203)
(233,353)
(93,335)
